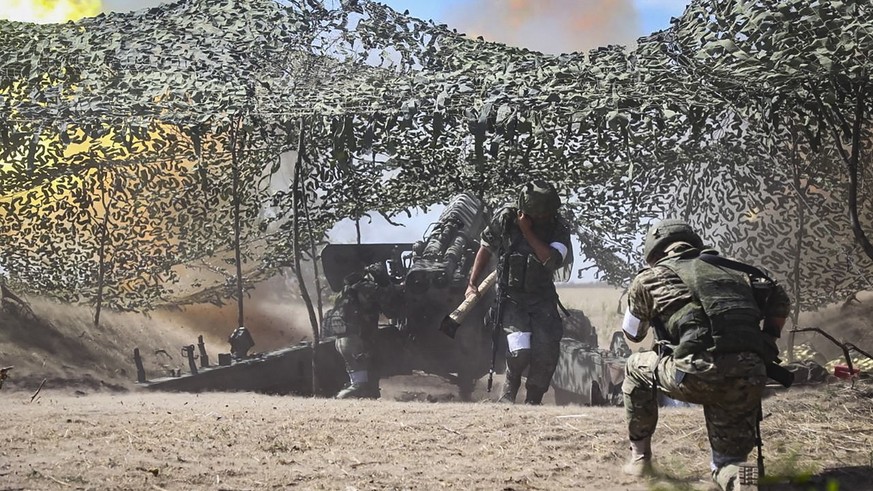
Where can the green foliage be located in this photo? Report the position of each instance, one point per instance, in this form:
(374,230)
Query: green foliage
(789,468)
(115,137)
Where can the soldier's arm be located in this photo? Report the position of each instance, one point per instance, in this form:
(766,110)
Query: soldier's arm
(551,254)
(367,292)
(778,310)
(391,301)
(490,242)
(640,307)
(483,256)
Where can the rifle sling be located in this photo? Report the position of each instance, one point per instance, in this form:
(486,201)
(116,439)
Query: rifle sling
(717,260)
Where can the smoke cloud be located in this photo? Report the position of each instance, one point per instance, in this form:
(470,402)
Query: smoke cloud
(128,5)
(48,10)
(550,26)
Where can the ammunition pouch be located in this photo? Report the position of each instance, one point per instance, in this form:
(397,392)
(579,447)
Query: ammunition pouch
(333,324)
(526,273)
(517,271)
(737,331)
(536,275)
(690,325)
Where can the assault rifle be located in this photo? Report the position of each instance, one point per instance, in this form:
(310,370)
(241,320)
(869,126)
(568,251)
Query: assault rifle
(497,322)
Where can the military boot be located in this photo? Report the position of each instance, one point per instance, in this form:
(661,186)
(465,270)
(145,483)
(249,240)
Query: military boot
(358,391)
(362,385)
(510,390)
(534,396)
(736,477)
(516,362)
(640,463)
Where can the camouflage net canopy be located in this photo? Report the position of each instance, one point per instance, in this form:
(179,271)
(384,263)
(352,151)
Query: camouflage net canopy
(138,149)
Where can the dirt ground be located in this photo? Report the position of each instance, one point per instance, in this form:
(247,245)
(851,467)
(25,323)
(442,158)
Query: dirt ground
(78,439)
(74,419)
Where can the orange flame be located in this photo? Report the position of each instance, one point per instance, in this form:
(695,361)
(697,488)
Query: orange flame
(48,11)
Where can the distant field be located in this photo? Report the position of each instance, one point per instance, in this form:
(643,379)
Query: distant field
(602,304)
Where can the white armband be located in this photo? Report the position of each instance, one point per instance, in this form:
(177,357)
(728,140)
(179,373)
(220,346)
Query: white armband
(561,248)
(630,324)
(518,340)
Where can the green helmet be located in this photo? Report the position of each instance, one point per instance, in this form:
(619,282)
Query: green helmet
(666,232)
(538,198)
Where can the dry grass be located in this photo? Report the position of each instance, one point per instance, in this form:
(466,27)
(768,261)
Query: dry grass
(249,441)
(600,303)
(89,428)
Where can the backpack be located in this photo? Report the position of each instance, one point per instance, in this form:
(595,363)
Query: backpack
(726,313)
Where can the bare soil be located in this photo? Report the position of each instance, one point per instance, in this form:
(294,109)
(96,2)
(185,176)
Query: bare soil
(74,419)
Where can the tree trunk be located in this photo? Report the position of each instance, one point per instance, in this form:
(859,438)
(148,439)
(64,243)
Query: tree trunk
(296,199)
(798,252)
(314,252)
(237,142)
(101,253)
(851,159)
(852,163)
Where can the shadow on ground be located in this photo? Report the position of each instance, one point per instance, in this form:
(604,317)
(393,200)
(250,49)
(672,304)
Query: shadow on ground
(835,479)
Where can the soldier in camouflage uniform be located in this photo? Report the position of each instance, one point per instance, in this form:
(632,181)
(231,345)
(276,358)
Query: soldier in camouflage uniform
(531,241)
(354,320)
(713,352)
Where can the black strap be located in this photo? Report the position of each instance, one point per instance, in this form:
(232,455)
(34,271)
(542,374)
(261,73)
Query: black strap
(717,260)
(561,306)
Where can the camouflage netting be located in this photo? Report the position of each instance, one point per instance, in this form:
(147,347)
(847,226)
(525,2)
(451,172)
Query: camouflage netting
(137,148)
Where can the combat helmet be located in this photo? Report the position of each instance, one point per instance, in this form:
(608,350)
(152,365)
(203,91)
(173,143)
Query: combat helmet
(666,232)
(538,198)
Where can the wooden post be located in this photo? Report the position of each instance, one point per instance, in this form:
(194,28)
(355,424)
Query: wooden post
(204,358)
(101,253)
(140,371)
(235,151)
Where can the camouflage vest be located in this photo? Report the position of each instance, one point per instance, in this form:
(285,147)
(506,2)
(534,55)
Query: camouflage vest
(525,273)
(723,316)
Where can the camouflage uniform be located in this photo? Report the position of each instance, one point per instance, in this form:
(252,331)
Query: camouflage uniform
(530,305)
(728,384)
(355,321)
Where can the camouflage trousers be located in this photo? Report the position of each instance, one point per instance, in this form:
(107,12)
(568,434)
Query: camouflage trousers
(356,354)
(542,321)
(729,391)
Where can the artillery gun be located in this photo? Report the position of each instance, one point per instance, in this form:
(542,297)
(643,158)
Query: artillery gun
(432,274)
